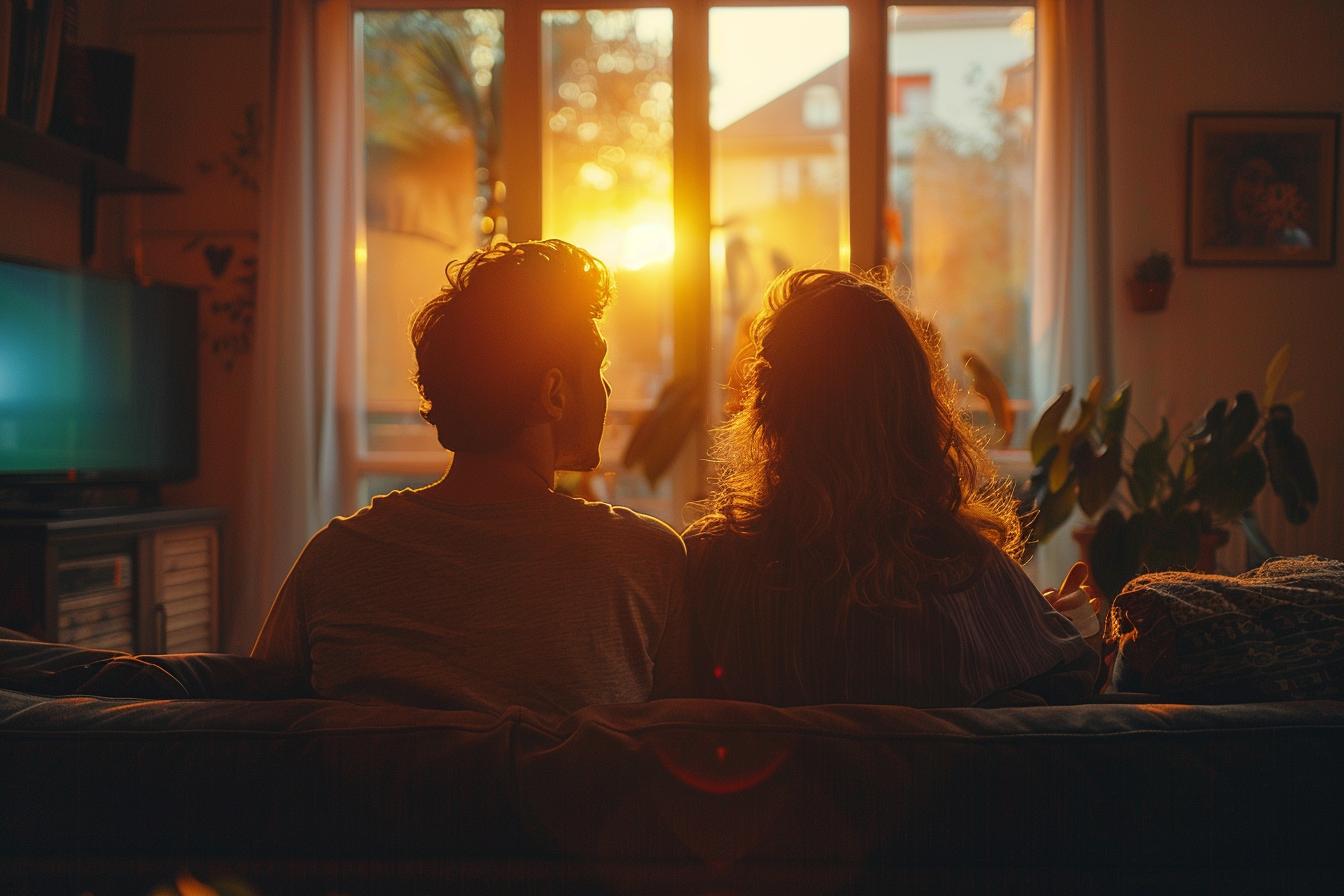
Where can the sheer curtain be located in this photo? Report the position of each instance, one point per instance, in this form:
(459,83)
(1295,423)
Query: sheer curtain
(1071,295)
(303,382)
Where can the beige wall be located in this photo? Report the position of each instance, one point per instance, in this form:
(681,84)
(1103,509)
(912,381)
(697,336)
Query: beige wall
(1223,324)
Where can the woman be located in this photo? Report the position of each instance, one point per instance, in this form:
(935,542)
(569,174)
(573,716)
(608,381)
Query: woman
(857,548)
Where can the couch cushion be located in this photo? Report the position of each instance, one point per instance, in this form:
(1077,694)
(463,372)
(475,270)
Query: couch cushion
(1274,633)
(36,667)
(94,776)
(1139,785)
(693,782)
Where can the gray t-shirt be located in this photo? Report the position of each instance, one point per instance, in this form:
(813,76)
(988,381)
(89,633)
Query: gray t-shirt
(550,603)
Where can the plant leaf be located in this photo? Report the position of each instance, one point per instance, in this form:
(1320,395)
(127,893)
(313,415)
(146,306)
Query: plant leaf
(658,438)
(1238,424)
(1062,466)
(1116,414)
(1087,410)
(1047,427)
(1113,562)
(1053,511)
(1275,372)
(986,383)
(1099,477)
(1149,468)
(1227,485)
(1290,471)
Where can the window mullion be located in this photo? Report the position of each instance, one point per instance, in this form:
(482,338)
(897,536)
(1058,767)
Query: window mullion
(521,126)
(691,215)
(867,131)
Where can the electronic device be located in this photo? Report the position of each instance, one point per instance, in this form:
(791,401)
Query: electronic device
(98,382)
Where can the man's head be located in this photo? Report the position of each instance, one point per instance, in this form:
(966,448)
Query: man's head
(511,341)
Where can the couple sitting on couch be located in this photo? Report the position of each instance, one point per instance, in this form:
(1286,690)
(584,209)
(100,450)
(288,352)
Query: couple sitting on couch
(855,551)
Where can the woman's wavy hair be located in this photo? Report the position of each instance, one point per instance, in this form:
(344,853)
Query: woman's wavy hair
(506,315)
(849,462)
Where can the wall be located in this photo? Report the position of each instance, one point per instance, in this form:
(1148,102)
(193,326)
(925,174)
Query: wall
(202,74)
(1223,324)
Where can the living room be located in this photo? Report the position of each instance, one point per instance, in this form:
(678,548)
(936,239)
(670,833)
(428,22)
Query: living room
(203,100)
(309,247)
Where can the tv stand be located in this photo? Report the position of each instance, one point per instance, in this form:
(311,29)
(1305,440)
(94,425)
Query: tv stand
(64,501)
(139,579)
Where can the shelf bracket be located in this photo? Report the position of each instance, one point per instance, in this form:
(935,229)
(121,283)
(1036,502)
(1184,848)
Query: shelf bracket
(88,211)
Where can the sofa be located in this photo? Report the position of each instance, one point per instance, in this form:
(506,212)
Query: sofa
(121,774)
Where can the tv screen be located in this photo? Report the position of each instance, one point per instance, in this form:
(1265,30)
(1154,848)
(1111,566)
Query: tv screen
(97,378)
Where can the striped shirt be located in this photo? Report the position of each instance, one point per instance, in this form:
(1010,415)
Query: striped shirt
(784,646)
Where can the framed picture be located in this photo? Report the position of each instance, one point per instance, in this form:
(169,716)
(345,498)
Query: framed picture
(1262,188)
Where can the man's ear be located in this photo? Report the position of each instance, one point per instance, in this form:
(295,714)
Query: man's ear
(553,393)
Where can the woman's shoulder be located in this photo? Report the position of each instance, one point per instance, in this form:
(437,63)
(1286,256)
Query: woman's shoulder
(710,539)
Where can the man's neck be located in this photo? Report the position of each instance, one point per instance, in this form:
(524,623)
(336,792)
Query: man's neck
(494,478)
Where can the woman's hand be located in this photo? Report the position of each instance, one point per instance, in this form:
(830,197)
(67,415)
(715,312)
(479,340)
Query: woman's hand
(1076,599)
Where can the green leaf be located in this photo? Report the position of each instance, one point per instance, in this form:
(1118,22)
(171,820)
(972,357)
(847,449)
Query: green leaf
(1290,469)
(1099,476)
(1227,484)
(1275,372)
(662,432)
(1062,468)
(1149,468)
(1111,557)
(1053,511)
(1115,414)
(1047,428)
(1239,424)
(1087,409)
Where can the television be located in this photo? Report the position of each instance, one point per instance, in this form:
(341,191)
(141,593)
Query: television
(98,381)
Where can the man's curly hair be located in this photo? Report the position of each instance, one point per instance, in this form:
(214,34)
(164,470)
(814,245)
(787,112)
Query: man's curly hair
(506,315)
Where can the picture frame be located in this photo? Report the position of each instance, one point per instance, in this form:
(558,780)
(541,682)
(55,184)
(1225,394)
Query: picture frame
(1262,188)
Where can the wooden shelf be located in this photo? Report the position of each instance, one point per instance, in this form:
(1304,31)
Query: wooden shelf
(21,145)
(94,175)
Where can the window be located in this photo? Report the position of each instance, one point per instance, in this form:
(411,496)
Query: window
(959,176)
(697,150)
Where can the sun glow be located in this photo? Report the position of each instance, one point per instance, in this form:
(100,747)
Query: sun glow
(627,242)
(647,244)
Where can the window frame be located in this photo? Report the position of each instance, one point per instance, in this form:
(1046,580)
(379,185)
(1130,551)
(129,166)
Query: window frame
(521,138)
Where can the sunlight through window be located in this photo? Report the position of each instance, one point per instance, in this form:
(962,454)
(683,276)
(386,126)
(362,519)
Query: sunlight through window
(959,176)
(607,186)
(780,154)
(433,192)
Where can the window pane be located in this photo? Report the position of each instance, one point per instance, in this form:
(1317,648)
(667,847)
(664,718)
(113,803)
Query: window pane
(607,186)
(434,188)
(779,114)
(959,176)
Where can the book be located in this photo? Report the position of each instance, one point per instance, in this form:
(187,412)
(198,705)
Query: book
(31,32)
(6,27)
(62,22)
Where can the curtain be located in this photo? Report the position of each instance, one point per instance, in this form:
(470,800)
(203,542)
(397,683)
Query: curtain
(302,404)
(1071,276)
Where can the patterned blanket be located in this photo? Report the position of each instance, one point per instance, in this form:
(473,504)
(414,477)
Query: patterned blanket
(1274,633)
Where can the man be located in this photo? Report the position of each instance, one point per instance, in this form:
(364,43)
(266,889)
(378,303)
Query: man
(487,589)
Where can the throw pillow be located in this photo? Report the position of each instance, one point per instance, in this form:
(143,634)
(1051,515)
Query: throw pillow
(1274,633)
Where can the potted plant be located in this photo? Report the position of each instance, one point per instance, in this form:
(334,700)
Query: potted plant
(1151,283)
(1179,489)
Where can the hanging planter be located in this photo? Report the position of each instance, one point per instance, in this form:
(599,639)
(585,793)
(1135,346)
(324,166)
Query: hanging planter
(1151,283)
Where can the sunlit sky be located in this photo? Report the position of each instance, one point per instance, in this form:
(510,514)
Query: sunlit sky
(756,54)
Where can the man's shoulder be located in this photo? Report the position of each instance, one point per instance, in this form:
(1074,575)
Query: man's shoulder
(613,521)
